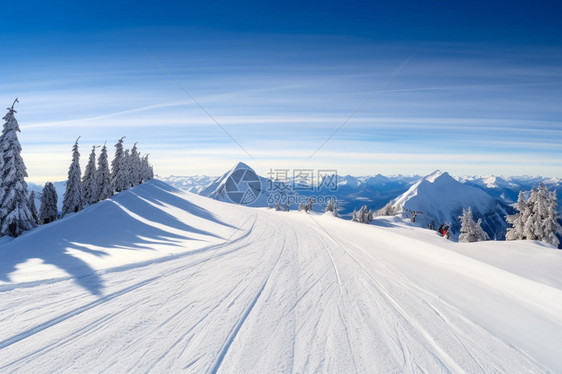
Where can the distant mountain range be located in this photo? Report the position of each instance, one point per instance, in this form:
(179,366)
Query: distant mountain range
(440,196)
(376,191)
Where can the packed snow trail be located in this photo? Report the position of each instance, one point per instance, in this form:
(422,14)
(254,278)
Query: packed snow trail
(265,291)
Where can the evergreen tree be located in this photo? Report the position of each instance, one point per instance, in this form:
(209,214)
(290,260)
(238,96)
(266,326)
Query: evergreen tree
(471,231)
(89,181)
(551,226)
(33,208)
(481,235)
(530,218)
(363,215)
(335,209)
(118,178)
(72,201)
(103,177)
(149,170)
(15,216)
(135,166)
(126,167)
(537,218)
(515,232)
(329,206)
(48,209)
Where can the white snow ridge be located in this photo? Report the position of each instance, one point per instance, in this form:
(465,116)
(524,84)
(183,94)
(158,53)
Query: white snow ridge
(162,281)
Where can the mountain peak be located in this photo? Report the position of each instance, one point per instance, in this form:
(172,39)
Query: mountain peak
(435,175)
(241,165)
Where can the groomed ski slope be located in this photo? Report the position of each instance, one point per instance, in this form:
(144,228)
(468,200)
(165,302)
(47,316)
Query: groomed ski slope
(157,280)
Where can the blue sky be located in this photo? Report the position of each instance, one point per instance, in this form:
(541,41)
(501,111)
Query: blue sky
(475,87)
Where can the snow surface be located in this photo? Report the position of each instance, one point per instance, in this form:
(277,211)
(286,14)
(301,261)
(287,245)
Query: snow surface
(157,280)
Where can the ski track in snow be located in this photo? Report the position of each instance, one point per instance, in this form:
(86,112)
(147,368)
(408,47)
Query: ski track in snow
(286,293)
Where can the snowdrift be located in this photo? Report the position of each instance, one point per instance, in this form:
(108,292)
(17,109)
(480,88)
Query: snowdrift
(137,225)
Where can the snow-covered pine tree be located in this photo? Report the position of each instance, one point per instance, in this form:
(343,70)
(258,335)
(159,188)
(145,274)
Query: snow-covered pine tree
(72,201)
(135,166)
(149,169)
(103,177)
(515,232)
(530,217)
(387,210)
(537,219)
(33,207)
(48,209)
(363,215)
(481,235)
(89,181)
(551,226)
(117,173)
(329,206)
(335,209)
(471,231)
(309,204)
(126,167)
(15,216)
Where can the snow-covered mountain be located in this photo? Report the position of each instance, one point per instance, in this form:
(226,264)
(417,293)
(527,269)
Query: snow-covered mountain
(351,192)
(195,183)
(376,191)
(442,198)
(241,185)
(158,280)
(506,189)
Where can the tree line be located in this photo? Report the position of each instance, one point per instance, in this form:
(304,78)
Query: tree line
(17,208)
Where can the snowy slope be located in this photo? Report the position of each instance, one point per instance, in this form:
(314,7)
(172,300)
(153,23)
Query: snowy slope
(169,281)
(441,198)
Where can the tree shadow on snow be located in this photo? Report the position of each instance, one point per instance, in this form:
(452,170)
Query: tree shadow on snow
(107,224)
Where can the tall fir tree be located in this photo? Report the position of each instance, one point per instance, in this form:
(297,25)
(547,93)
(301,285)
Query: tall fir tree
(48,209)
(471,231)
(146,169)
(33,207)
(15,216)
(89,181)
(135,166)
(118,180)
(551,226)
(72,201)
(126,167)
(103,177)
(515,232)
(537,218)
(530,221)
